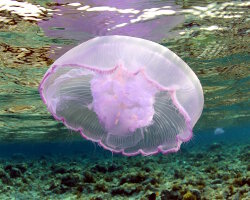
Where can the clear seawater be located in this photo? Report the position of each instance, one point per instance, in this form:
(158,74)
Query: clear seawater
(41,159)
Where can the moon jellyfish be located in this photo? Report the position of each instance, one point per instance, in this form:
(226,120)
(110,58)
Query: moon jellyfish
(128,94)
(219,131)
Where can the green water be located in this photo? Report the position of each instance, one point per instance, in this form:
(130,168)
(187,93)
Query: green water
(219,57)
(41,159)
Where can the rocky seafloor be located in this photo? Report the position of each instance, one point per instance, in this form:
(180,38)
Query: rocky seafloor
(214,171)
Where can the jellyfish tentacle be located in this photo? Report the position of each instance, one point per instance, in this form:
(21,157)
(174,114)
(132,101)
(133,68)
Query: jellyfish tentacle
(162,135)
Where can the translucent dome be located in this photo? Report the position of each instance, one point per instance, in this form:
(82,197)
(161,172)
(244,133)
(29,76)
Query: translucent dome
(128,94)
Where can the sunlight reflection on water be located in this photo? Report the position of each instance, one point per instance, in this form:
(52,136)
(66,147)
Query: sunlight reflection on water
(86,19)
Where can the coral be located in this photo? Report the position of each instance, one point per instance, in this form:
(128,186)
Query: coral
(189,196)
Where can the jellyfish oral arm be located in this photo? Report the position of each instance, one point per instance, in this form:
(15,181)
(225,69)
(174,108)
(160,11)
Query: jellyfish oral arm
(123,101)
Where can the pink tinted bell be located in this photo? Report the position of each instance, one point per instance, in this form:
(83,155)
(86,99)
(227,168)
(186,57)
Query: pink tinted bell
(128,94)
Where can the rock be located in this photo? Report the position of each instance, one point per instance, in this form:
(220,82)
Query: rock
(215,146)
(122,191)
(58,169)
(148,187)
(178,174)
(5,178)
(133,178)
(147,169)
(217,181)
(152,196)
(88,178)
(53,186)
(197,193)
(80,189)
(7,168)
(176,187)
(126,190)
(174,195)
(25,180)
(61,189)
(70,180)
(236,196)
(2,174)
(241,181)
(113,168)
(101,188)
(211,169)
(22,167)
(117,191)
(108,179)
(244,156)
(43,163)
(199,156)
(15,173)
(96,198)
(152,181)
(99,168)
(226,194)
(189,196)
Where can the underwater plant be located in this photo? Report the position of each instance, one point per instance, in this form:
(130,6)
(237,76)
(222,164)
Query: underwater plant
(128,94)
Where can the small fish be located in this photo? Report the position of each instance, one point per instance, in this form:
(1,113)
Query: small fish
(219,131)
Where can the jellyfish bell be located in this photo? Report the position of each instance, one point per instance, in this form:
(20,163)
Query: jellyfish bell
(219,131)
(128,94)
